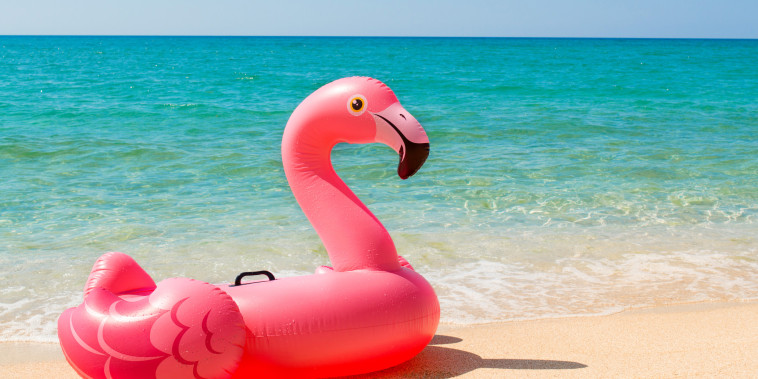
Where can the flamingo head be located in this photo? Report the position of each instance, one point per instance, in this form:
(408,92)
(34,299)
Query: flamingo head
(364,110)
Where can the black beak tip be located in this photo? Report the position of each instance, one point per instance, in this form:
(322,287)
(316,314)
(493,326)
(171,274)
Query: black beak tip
(414,157)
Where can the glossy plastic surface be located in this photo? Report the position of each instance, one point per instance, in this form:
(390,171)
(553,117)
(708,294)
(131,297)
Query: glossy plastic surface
(369,311)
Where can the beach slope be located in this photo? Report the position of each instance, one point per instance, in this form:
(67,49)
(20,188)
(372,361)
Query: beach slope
(691,340)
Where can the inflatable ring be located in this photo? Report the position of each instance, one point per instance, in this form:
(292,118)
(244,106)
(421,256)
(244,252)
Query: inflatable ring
(367,312)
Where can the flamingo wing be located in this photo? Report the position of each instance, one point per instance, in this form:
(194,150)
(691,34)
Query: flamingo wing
(182,328)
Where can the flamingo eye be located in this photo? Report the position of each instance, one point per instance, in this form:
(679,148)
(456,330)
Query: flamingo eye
(356,105)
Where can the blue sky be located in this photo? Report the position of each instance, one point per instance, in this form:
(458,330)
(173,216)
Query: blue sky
(505,18)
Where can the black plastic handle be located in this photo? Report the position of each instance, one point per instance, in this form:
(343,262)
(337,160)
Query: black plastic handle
(238,280)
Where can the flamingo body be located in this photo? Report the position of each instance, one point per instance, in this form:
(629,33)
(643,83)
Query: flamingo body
(369,311)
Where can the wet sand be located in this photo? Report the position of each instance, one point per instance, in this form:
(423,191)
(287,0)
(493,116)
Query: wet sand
(690,340)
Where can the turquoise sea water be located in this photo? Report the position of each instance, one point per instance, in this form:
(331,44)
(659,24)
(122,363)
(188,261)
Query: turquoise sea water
(566,176)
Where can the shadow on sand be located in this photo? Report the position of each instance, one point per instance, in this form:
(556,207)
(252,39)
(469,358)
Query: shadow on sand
(445,362)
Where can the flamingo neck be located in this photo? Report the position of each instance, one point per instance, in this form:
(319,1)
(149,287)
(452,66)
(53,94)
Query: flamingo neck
(354,238)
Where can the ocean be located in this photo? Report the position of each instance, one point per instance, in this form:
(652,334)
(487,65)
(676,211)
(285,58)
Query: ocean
(566,176)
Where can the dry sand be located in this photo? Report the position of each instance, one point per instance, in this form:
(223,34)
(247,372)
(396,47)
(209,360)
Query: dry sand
(692,340)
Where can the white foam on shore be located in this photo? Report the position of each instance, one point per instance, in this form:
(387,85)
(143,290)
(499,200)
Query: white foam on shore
(479,276)
(31,319)
(487,291)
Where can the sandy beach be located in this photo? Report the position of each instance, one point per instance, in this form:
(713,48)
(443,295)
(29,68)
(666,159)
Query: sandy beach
(690,340)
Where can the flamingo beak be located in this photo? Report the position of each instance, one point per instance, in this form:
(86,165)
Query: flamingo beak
(412,157)
(401,131)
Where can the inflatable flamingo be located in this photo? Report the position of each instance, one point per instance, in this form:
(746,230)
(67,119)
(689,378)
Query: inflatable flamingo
(369,311)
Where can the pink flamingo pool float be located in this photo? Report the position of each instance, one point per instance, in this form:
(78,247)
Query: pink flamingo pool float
(367,312)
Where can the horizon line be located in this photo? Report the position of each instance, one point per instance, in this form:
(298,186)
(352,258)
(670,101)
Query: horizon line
(367,36)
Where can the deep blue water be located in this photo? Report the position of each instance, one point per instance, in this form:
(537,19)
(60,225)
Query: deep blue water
(566,176)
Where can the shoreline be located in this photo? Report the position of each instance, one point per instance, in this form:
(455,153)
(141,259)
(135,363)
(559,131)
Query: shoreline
(692,340)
